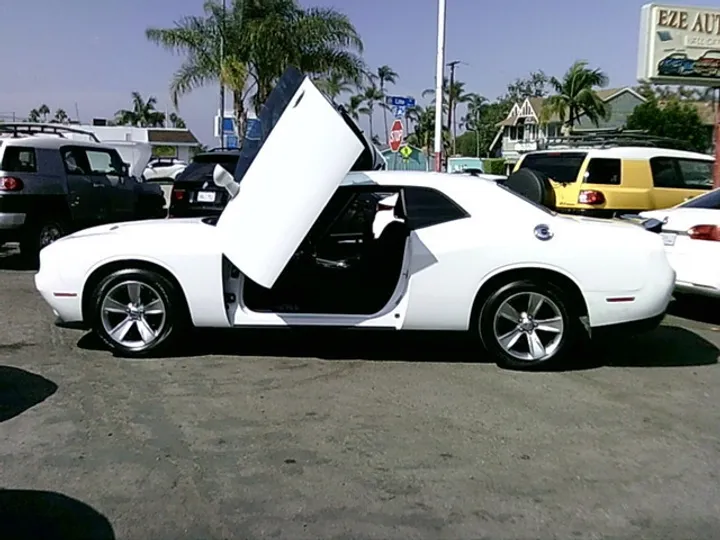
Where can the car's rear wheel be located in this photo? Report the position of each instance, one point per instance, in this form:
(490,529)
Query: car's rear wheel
(40,235)
(138,312)
(526,325)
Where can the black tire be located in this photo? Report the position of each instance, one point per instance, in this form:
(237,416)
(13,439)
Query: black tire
(532,185)
(41,234)
(490,325)
(175,320)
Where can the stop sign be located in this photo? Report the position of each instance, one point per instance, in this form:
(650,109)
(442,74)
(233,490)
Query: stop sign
(396,136)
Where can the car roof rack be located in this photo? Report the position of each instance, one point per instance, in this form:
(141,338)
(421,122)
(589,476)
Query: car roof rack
(19,129)
(221,149)
(609,138)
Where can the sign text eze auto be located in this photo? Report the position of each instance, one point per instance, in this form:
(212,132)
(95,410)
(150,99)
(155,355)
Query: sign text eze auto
(702,22)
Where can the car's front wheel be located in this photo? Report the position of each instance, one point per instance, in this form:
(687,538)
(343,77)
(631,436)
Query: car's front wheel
(526,325)
(138,312)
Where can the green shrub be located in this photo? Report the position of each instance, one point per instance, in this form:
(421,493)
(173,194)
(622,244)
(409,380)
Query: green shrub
(494,165)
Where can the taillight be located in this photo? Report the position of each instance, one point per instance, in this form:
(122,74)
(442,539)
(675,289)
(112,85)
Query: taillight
(591,197)
(178,194)
(10,183)
(705,232)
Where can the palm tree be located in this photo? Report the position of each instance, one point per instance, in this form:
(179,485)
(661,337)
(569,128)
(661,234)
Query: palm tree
(473,119)
(33,116)
(261,39)
(44,111)
(455,95)
(575,95)
(60,117)
(142,114)
(176,121)
(371,97)
(334,85)
(384,76)
(354,106)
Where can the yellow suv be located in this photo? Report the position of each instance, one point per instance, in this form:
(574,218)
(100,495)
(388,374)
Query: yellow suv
(605,182)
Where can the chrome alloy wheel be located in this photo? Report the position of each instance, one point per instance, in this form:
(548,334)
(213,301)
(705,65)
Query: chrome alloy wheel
(133,314)
(529,326)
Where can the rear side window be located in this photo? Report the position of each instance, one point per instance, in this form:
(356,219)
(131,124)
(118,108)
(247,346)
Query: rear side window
(696,174)
(603,171)
(19,159)
(710,201)
(562,167)
(677,173)
(426,207)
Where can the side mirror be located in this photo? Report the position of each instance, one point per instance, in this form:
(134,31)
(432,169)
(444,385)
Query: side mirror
(224,179)
(653,225)
(125,169)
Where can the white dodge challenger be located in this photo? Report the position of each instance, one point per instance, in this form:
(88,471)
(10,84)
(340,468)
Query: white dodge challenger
(295,247)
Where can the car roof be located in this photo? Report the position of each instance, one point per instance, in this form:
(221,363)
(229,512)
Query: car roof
(50,143)
(628,152)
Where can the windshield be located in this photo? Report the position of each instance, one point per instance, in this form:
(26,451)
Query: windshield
(273,109)
(561,167)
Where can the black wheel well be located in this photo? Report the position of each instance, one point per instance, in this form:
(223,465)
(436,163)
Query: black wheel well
(103,271)
(540,275)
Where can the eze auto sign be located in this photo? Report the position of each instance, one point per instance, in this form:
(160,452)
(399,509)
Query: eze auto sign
(679,45)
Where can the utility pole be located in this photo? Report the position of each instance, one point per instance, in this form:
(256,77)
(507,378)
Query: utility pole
(452,65)
(439,76)
(716,169)
(222,84)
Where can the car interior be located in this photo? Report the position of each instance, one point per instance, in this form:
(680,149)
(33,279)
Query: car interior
(341,267)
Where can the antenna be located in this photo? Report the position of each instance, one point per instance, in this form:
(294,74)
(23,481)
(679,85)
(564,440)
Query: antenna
(77,113)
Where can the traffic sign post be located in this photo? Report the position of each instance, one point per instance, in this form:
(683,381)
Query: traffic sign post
(396,136)
(400,105)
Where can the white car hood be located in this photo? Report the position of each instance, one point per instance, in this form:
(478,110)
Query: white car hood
(145,229)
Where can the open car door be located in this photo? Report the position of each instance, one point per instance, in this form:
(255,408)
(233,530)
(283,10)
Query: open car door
(287,174)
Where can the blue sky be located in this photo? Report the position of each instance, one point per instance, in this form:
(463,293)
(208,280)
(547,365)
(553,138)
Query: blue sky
(94,53)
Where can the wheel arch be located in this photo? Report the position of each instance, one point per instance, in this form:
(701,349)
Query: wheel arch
(105,269)
(536,273)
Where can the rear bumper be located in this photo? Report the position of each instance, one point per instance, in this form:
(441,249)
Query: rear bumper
(11,220)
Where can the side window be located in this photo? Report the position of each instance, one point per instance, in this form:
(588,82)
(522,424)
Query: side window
(665,173)
(19,159)
(359,215)
(74,161)
(696,174)
(603,171)
(103,162)
(426,207)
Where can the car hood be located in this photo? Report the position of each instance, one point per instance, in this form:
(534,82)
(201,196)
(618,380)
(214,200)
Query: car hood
(145,228)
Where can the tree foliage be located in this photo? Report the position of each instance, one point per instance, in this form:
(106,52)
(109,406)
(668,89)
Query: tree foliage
(575,95)
(261,39)
(675,120)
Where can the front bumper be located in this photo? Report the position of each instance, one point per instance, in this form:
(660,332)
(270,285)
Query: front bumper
(65,302)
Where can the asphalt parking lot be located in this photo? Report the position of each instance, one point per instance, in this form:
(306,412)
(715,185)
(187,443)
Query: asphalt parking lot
(256,435)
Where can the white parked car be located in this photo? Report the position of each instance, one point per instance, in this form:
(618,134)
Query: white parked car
(164,168)
(691,232)
(295,247)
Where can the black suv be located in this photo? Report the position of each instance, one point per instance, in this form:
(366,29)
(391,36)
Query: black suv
(51,186)
(194,193)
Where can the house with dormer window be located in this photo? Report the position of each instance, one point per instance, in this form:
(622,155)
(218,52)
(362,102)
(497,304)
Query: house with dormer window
(525,129)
